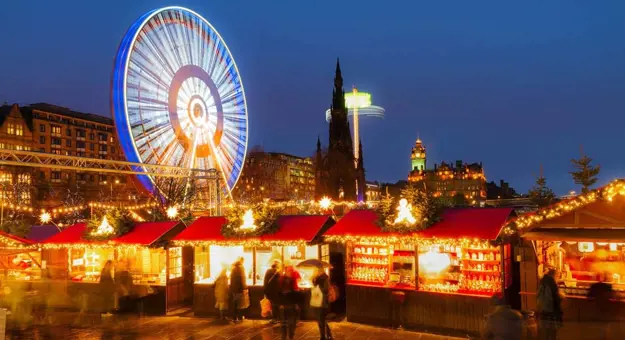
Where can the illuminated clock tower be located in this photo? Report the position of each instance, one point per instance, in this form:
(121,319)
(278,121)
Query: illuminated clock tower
(418,156)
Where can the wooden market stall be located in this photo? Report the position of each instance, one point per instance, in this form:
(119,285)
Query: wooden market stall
(584,240)
(297,239)
(20,260)
(158,272)
(446,273)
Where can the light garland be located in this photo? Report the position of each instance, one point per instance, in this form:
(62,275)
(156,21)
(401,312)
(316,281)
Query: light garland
(113,206)
(110,244)
(413,239)
(17,207)
(253,242)
(608,193)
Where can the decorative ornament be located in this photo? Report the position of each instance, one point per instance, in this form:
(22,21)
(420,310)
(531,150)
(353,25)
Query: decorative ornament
(172,212)
(325,203)
(251,222)
(45,217)
(248,221)
(108,226)
(415,211)
(104,229)
(404,213)
(586,247)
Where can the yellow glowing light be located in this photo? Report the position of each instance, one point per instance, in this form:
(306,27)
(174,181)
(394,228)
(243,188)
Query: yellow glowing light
(404,213)
(613,246)
(325,203)
(433,262)
(248,221)
(586,247)
(357,100)
(172,212)
(45,217)
(105,228)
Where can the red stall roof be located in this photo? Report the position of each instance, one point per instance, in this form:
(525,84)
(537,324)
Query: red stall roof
(481,223)
(13,238)
(144,234)
(297,228)
(203,229)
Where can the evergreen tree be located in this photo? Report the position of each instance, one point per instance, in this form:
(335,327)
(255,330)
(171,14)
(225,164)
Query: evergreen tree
(585,174)
(540,194)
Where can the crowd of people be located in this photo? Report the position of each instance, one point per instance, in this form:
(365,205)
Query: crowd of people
(282,293)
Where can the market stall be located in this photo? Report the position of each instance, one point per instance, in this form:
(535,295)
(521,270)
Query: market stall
(444,273)
(20,260)
(156,271)
(296,238)
(584,240)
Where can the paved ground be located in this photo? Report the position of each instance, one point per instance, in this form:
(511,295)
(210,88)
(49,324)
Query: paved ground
(174,328)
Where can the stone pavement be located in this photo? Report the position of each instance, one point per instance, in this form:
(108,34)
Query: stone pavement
(174,328)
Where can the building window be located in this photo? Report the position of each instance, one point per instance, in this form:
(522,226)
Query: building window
(42,175)
(68,143)
(55,141)
(80,133)
(112,149)
(80,145)
(55,176)
(102,137)
(42,128)
(175,262)
(91,147)
(23,178)
(11,129)
(103,147)
(56,151)
(42,140)
(91,136)
(68,153)
(56,130)
(68,132)
(112,139)
(42,149)
(91,178)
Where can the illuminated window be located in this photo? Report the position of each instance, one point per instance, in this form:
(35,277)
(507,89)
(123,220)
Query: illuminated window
(56,130)
(19,130)
(6,177)
(175,262)
(11,129)
(23,178)
(56,151)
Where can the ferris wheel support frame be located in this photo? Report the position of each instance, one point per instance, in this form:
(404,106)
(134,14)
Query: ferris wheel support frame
(84,164)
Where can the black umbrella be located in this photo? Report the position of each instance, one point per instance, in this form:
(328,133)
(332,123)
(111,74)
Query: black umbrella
(313,263)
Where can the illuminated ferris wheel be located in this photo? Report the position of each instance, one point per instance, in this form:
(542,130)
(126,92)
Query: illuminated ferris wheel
(177,96)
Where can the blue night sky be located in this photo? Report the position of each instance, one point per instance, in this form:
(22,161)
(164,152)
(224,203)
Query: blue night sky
(512,85)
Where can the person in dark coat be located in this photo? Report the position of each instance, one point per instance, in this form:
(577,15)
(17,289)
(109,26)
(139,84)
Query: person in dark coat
(124,286)
(107,288)
(322,280)
(288,300)
(549,304)
(271,287)
(503,322)
(238,287)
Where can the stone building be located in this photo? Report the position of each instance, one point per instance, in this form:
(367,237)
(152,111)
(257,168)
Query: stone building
(52,129)
(460,183)
(276,176)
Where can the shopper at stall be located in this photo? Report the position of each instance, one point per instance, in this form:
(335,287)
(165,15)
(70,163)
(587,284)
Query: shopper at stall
(288,300)
(107,288)
(601,294)
(238,290)
(221,293)
(549,306)
(271,288)
(319,302)
(124,286)
(503,322)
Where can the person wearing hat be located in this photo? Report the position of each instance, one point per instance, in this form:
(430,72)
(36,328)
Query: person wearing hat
(503,323)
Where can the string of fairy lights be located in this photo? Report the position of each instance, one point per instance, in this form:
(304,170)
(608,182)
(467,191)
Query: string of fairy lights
(524,222)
